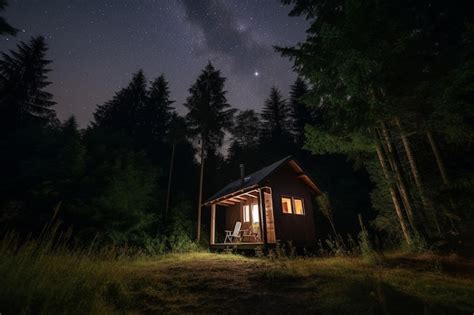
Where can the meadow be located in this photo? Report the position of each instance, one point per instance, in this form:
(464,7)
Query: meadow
(40,278)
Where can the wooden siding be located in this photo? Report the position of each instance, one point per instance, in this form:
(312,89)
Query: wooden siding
(269,217)
(300,229)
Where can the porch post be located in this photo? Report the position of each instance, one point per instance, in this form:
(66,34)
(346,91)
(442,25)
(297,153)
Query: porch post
(263,216)
(213,224)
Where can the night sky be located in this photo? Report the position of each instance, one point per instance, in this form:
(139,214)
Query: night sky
(96,46)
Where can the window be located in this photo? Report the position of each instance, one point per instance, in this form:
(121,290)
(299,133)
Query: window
(292,205)
(286,205)
(299,208)
(255,214)
(246,212)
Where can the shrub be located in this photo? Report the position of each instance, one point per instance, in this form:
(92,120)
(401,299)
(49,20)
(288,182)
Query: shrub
(282,251)
(364,244)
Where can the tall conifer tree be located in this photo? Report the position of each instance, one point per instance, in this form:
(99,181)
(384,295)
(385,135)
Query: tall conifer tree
(301,113)
(22,83)
(157,114)
(276,115)
(208,117)
(124,110)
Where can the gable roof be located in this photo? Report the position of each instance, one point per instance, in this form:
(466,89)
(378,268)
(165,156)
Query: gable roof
(255,179)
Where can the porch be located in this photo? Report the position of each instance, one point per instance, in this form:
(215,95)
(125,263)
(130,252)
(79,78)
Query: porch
(245,217)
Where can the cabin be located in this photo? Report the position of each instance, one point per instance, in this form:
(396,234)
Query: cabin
(274,203)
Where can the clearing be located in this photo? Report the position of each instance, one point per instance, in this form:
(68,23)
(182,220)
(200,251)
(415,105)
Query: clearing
(224,283)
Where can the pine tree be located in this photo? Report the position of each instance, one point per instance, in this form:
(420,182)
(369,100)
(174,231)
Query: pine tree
(67,165)
(245,142)
(123,112)
(5,28)
(157,114)
(276,139)
(22,82)
(276,115)
(208,117)
(71,155)
(401,64)
(246,129)
(177,134)
(301,113)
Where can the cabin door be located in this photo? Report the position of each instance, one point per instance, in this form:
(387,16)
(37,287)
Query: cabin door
(269,218)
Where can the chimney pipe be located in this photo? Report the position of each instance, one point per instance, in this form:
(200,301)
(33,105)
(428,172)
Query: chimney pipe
(242,174)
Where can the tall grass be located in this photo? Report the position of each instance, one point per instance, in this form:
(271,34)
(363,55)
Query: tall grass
(46,275)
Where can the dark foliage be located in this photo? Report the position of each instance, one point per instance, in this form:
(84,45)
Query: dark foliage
(23,99)
(371,73)
(209,113)
(5,27)
(301,113)
(386,81)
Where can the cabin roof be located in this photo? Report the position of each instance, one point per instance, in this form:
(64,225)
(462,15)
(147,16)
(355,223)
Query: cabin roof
(255,179)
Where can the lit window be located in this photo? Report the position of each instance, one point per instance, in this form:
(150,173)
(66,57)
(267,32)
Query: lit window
(299,207)
(286,205)
(255,214)
(246,211)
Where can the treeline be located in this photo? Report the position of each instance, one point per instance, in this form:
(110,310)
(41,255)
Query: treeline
(133,175)
(388,86)
(395,83)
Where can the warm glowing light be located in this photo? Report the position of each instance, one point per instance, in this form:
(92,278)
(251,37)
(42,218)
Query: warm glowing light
(299,208)
(255,214)
(246,212)
(286,205)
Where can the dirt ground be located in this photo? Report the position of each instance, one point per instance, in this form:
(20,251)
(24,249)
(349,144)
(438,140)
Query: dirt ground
(223,283)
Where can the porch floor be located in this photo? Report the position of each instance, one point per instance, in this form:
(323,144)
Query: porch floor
(243,245)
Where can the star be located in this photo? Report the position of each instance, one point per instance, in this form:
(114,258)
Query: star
(183,34)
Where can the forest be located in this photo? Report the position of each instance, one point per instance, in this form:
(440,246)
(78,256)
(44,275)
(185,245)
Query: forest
(126,177)
(381,115)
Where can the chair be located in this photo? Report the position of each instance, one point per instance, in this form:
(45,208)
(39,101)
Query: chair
(252,233)
(231,236)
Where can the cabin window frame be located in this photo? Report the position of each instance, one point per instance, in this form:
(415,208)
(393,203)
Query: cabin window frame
(255,215)
(293,205)
(246,215)
(302,205)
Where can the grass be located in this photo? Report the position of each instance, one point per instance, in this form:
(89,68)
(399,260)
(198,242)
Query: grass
(38,278)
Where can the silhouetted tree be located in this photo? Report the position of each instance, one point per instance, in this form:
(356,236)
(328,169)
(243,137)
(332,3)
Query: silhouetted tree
(301,113)
(245,142)
(387,88)
(276,115)
(26,134)
(177,133)
(69,165)
(208,117)
(157,113)
(276,135)
(246,129)
(5,28)
(123,112)
(22,83)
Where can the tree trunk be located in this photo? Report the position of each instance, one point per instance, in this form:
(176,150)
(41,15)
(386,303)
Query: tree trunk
(439,160)
(393,194)
(170,176)
(444,175)
(399,178)
(198,237)
(427,204)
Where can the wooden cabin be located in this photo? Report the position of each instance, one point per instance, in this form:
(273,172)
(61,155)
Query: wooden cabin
(274,203)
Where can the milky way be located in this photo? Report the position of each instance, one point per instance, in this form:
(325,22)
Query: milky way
(97,45)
